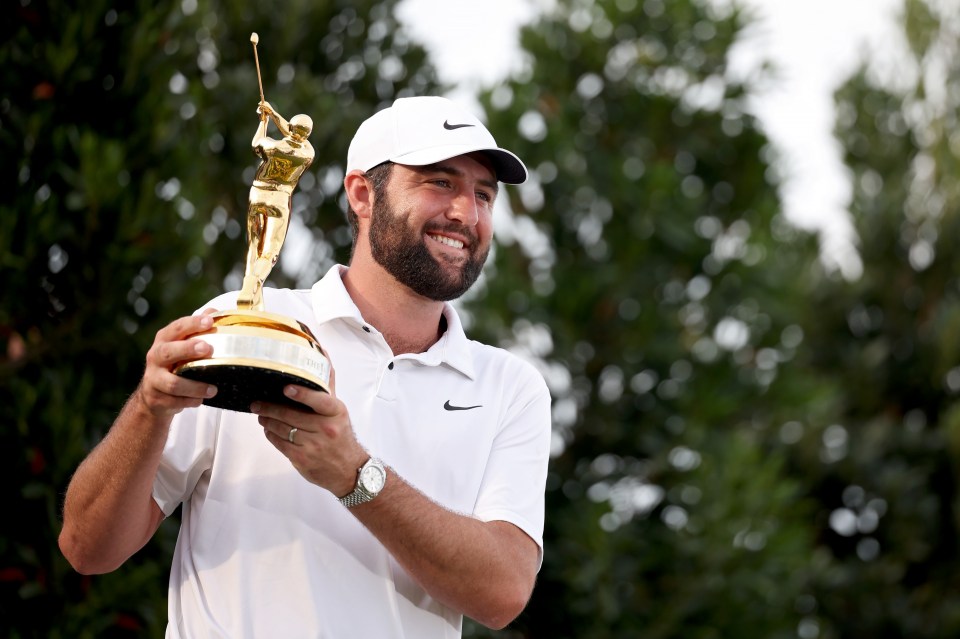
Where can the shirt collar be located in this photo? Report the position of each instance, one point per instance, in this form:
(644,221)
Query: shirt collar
(331,301)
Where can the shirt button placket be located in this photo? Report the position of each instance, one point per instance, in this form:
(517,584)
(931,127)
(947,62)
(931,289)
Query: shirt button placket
(388,383)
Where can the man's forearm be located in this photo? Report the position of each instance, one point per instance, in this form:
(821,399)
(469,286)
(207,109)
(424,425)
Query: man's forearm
(486,570)
(108,512)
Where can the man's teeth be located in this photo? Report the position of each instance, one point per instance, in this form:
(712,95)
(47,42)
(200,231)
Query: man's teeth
(447,240)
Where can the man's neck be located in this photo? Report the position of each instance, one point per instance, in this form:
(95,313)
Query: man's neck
(409,322)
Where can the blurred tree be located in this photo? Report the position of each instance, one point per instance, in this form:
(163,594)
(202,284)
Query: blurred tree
(125,137)
(747,446)
(891,341)
(667,312)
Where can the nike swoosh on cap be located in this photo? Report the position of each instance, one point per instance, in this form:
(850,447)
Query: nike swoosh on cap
(449,406)
(451,127)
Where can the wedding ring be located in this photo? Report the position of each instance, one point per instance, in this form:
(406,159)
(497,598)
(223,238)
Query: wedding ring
(290,435)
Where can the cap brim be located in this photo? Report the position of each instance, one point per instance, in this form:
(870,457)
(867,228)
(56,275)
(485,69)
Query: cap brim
(509,168)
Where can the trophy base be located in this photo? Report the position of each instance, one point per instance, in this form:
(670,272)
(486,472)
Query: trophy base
(240,386)
(255,355)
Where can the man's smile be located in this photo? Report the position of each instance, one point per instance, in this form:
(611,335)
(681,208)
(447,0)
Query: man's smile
(448,241)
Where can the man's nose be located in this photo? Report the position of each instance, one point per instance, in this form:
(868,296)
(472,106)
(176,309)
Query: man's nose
(464,209)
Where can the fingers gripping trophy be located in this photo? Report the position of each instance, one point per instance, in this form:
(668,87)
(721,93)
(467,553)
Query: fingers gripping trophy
(256,353)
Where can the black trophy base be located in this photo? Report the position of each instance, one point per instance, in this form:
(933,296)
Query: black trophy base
(240,386)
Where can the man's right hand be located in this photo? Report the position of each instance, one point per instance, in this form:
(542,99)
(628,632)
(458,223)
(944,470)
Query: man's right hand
(163,393)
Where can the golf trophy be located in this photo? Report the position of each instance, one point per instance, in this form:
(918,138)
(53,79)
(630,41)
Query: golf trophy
(256,353)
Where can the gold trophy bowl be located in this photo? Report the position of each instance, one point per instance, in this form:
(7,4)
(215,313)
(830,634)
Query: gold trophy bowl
(255,353)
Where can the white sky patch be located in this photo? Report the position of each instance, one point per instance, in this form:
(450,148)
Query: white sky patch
(815,44)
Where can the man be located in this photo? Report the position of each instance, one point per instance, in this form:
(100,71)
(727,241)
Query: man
(283,162)
(308,533)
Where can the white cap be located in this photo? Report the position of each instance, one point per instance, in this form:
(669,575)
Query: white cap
(424,130)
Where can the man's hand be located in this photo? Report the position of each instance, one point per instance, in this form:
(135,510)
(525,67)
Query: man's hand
(265,110)
(324,448)
(161,392)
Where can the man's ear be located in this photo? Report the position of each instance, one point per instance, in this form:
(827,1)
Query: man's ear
(359,192)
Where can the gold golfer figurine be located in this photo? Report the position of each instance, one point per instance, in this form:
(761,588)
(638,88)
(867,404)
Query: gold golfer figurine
(256,354)
(271,196)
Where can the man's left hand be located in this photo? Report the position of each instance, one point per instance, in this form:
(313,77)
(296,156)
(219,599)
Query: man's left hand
(324,448)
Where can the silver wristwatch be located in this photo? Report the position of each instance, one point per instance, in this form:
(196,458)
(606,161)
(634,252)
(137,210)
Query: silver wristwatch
(370,480)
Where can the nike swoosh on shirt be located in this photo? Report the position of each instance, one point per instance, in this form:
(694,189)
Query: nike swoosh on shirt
(449,406)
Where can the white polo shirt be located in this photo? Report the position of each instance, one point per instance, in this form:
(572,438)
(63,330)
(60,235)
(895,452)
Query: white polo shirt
(264,553)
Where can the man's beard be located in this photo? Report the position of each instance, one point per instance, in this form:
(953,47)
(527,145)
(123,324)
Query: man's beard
(403,252)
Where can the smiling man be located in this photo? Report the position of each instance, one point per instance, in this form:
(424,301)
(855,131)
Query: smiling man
(409,496)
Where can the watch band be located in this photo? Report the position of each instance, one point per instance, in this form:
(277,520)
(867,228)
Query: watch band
(361,494)
(357,497)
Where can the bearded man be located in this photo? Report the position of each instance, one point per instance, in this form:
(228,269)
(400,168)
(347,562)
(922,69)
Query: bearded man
(409,496)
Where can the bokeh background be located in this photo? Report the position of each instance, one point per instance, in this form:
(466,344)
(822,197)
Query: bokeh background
(749,441)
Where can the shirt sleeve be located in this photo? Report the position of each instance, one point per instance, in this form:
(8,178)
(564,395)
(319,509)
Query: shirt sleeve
(187,455)
(515,478)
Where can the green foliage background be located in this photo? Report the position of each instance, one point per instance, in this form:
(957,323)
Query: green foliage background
(746,444)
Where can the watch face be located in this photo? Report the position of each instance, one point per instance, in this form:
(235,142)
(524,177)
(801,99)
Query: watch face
(372,479)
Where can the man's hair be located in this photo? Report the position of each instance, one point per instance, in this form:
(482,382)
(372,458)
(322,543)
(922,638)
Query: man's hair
(378,176)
